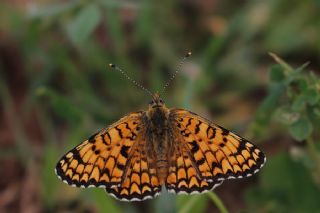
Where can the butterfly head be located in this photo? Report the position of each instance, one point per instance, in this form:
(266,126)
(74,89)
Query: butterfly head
(156,101)
(157,112)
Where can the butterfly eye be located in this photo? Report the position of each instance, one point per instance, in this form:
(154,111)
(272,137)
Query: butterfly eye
(161,101)
(151,102)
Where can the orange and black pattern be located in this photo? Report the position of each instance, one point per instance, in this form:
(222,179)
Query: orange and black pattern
(133,158)
(183,177)
(211,154)
(141,180)
(102,160)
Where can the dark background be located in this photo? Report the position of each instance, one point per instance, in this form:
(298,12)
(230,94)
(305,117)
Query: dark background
(57,89)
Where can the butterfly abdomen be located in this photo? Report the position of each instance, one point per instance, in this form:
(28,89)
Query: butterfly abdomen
(162,170)
(158,141)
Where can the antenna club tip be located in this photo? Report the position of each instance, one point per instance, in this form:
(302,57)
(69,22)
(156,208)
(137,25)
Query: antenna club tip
(189,54)
(112,65)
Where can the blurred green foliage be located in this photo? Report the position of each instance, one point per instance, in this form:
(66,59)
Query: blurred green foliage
(56,90)
(291,178)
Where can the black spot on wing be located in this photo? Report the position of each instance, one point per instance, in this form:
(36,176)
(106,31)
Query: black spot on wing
(77,156)
(197,130)
(119,132)
(120,166)
(124,151)
(195,146)
(92,138)
(213,132)
(225,132)
(189,122)
(201,161)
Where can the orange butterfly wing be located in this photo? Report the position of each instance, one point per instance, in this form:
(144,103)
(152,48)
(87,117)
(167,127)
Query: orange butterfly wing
(101,160)
(113,159)
(208,154)
(183,176)
(141,182)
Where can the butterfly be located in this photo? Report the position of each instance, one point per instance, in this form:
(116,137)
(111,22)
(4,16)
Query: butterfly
(136,156)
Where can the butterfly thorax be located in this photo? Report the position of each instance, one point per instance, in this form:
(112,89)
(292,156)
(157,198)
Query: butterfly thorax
(157,133)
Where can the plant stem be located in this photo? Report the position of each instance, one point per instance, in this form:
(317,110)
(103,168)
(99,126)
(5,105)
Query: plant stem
(217,201)
(287,68)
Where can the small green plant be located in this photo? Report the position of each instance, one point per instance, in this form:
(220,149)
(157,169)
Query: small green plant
(300,110)
(297,104)
(294,103)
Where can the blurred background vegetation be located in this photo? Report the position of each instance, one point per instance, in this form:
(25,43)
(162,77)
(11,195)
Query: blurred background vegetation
(56,90)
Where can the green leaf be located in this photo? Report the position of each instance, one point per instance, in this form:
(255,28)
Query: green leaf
(312,96)
(81,27)
(309,96)
(276,73)
(301,129)
(299,103)
(302,84)
(296,85)
(286,115)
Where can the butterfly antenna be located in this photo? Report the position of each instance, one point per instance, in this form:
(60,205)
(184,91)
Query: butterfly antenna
(130,79)
(177,71)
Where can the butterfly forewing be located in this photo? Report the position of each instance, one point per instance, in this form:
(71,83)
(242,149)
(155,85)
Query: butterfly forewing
(101,160)
(217,153)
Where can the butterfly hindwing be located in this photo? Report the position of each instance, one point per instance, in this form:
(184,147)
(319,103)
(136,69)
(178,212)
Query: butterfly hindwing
(183,176)
(100,160)
(217,153)
(141,181)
